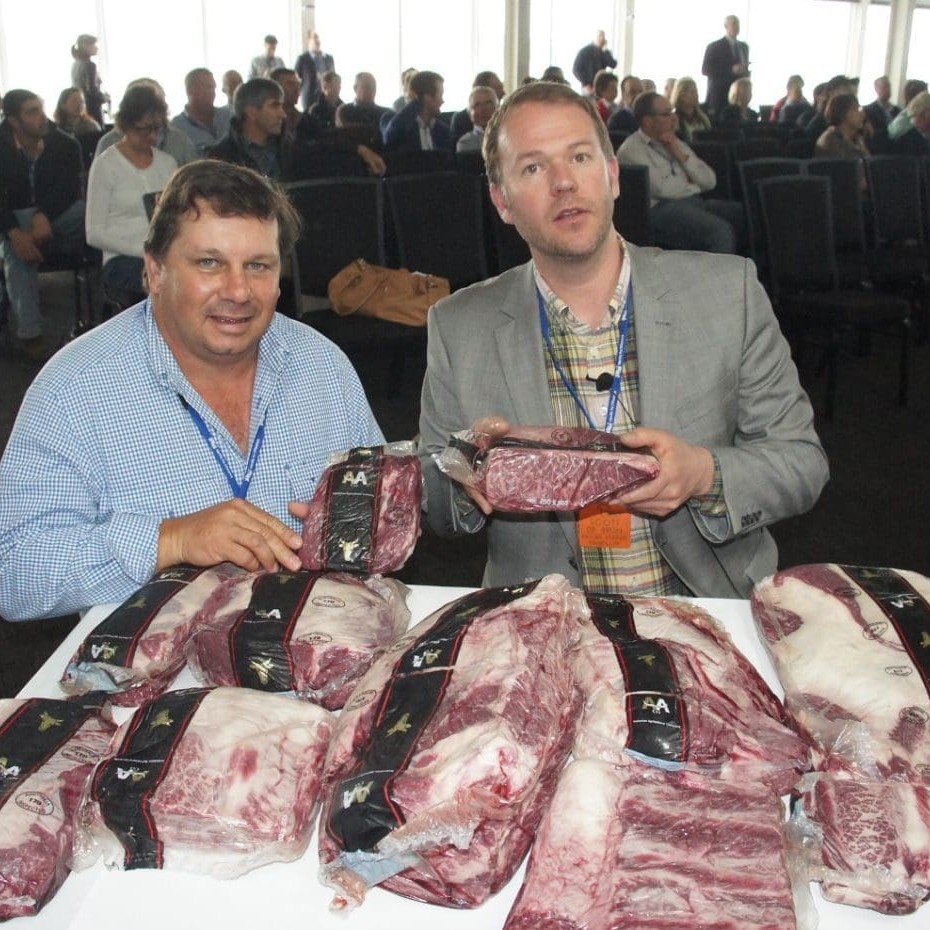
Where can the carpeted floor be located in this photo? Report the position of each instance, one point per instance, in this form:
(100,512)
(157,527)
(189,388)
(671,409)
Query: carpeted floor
(874,511)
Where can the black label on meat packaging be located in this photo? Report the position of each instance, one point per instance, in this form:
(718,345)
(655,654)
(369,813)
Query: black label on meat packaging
(907,610)
(259,641)
(362,811)
(125,785)
(115,639)
(657,719)
(352,494)
(33,733)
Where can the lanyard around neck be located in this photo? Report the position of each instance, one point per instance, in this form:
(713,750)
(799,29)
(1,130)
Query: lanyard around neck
(239,489)
(624,325)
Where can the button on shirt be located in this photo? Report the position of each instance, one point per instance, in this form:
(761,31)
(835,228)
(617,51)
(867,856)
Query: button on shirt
(103,451)
(668,179)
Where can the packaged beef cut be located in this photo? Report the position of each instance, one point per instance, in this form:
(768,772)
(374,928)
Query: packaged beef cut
(365,512)
(664,684)
(448,750)
(534,468)
(307,632)
(47,749)
(135,652)
(213,781)
(851,647)
(870,839)
(635,848)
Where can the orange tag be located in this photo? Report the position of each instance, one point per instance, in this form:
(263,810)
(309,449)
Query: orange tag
(604,526)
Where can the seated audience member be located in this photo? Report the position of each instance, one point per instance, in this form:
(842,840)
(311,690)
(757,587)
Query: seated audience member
(649,86)
(737,112)
(171,140)
(362,111)
(669,88)
(817,123)
(819,102)
(461,121)
(71,114)
(119,180)
(290,84)
(881,111)
(482,103)
(41,210)
(554,74)
(623,119)
(406,76)
(231,80)
(203,122)
(417,126)
(705,378)
(680,217)
(793,105)
(192,428)
(686,103)
(256,132)
(263,65)
(843,138)
(605,93)
(902,122)
(329,101)
(916,141)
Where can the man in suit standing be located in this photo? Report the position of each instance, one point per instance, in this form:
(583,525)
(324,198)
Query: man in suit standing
(417,126)
(698,373)
(724,61)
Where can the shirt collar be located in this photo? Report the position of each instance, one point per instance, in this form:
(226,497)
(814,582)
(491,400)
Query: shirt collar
(560,314)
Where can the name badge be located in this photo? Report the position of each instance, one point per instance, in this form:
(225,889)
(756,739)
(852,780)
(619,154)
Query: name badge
(604,526)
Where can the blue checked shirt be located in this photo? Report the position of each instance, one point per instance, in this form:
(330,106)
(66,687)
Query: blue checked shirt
(103,450)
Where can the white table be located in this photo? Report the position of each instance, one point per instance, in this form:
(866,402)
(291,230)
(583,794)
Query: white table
(289,895)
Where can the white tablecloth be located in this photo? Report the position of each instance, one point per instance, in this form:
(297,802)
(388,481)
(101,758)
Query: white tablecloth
(289,895)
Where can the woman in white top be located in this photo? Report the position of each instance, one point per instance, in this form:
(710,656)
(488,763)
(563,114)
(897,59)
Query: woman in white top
(121,190)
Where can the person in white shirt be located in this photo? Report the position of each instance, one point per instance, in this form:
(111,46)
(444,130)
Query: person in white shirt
(482,103)
(679,216)
(121,190)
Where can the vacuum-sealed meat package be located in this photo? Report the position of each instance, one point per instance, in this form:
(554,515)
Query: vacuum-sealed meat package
(212,781)
(634,848)
(664,684)
(850,646)
(871,840)
(538,468)
(135,652)
(311,633)
(365,512)
(447,752)
(47,749)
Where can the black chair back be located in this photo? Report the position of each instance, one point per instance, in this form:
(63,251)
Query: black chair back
(437,222)
(343,219)
(716,153)
(749,173)
(846,199)
(418,162)
(894,187)
(756,147)
(631,208)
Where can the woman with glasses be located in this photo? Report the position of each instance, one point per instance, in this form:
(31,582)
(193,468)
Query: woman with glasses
(124,182)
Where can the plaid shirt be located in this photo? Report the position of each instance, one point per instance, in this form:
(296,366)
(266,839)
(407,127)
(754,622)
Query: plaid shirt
(582,351)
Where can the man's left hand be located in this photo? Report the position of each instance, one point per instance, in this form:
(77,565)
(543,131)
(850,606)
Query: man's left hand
(41,229)
(685,471)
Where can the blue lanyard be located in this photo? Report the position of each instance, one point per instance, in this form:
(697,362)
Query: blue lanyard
(625,316)
(238,490)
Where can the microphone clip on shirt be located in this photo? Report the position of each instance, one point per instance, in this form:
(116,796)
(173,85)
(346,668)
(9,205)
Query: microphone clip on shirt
(603,382)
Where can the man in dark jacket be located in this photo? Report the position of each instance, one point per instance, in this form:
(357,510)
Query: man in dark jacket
(594,57)
(724,61)
(256,133)
(41,209)
(417,126)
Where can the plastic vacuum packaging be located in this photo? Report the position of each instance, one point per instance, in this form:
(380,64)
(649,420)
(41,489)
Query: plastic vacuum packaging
(211,781)
(664,684)
(537,468)
(47,749)
(365,512)
(135,652)
(851,646)
(307,632)
(635,848)
(448,751)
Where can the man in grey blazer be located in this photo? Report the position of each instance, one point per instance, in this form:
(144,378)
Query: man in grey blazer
(710,385)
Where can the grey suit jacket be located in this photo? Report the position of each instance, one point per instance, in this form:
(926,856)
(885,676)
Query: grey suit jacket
(713,368)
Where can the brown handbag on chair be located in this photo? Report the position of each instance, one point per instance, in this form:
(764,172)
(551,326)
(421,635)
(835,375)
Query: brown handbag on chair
(394,294)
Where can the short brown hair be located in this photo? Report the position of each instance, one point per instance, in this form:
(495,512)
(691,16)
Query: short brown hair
(229,190)
(838,106)
(538,92)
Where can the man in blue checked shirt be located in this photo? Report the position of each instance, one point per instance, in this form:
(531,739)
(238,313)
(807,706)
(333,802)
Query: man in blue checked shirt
(191,428)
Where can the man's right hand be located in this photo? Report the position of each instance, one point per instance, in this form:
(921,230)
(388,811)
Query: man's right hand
(24,246)
(234,531)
